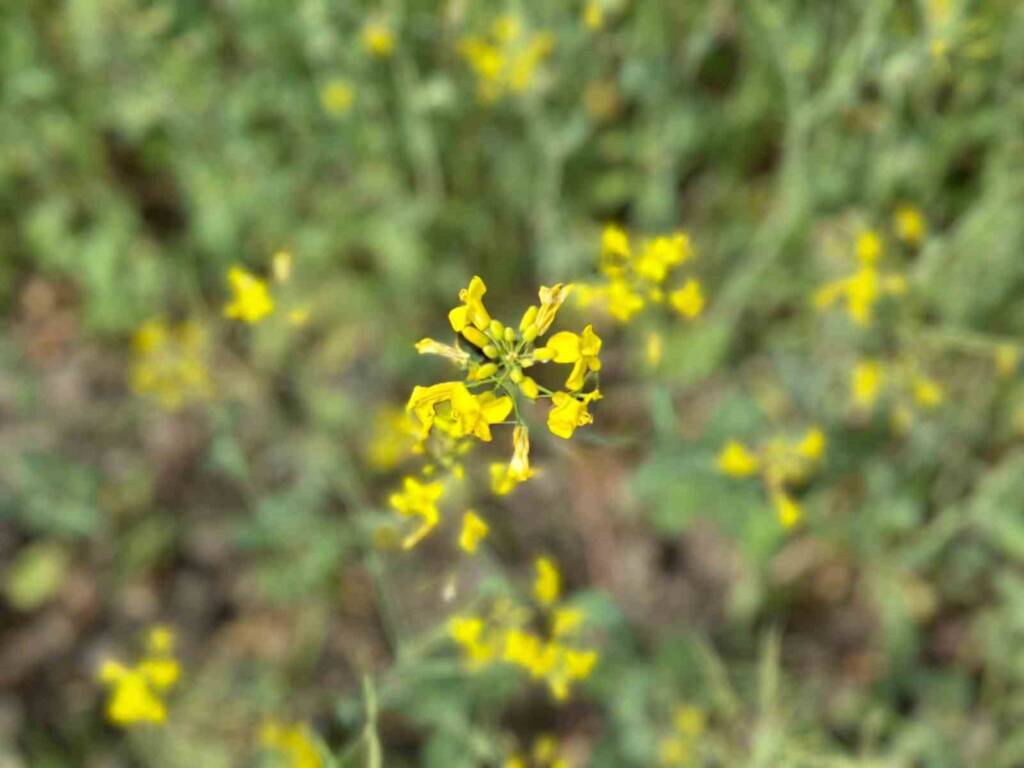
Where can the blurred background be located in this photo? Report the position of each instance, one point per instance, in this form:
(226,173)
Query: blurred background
(395,149)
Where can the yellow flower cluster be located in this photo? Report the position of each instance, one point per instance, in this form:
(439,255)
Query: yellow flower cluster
(544,753)
(780,463)
(137,692)
(292,745)
(506,637)
(637,276)
(677,749)
(900,382)
(862,290)
(252,301)
(169,364)
(505,60)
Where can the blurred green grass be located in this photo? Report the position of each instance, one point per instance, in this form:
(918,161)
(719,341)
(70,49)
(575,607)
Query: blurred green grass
(147,146)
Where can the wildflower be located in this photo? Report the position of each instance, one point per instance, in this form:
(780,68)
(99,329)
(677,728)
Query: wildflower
(136,692)
(505,478)
(569,412)
(580,350)
(294,744)
(418,500)
(547,583)
(1007,358)
(780,462)
(378,40)
(593,15)
(430,347)
(688,300)
(472,310)
(281,266)
(474,530)
(169,364)
(866,383)
(252,301)
(736,460)
(506,60)
(910,225)
(337,96)
(927,392)
(863,289)
(636,275)
(688,725)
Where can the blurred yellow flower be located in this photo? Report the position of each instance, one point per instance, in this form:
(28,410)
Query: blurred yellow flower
(688,300)
(251,301)
(474,530)
(547,583)
(418,499)
(137,692)
(593,15)
(169,364)
(910,225)
(337,96)
(293,744)
(506,60)
(378,40)
(866,383)
(736,460)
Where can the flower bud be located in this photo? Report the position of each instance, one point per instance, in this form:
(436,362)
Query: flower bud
(529,387)
(543,354)
(490,350)
(530,334)
(516,375)
(510,335)
(497,329)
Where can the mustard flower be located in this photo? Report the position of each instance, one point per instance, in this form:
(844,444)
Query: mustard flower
(418,500)
(378,40)
(251,301)
(863,289)
(137,692)
(581,350)
(910,225)
(474,530)
(293,744)
(505,60)
(169,364)
(337,96)
(780,462)
(568,412)
(547,583)
(866,383)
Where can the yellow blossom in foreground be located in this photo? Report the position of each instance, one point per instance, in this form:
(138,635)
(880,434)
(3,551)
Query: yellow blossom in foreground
(474,530)
(136,692)
(569,412)
(378,40)
(547,584)
(472,310)
(294,744)
(337,96)
(580,350)
(251,300)
(910,225)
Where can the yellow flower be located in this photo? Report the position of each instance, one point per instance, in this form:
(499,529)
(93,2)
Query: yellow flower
(566,621)
(623,301)
(336,97)
(569,412)
(472,312)
(430,347)
(136,692)
(423,401)
(812,445)
(378,40)
(1007,358)
(866,383)
(736,460)
(869,247)
(251,301)
(293,743)
(688,300)
(689,721)
(615,245)
(169,364)
(474,530)
(281,266)
(473,414)
(654,349)
(593,15)
(551,299)
(547,584)
(418,500)
(928,392)
(788,511)
(910,225)
(581,350)
(661,254)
